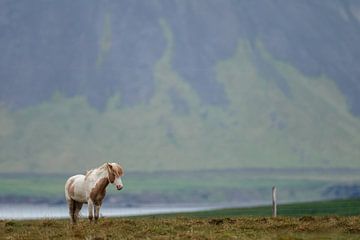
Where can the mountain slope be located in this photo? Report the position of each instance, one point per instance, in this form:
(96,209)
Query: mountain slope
(275,118)
(98,49)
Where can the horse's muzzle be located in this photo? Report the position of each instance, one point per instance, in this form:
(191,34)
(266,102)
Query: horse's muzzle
(119,187)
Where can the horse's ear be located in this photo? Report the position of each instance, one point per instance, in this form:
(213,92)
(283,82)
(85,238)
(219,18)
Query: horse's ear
(109,165)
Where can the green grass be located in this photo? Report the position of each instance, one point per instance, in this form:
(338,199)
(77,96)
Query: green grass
(317,220)
(32,185)
(188,187)
(346,207)
(187,228)
(194,186)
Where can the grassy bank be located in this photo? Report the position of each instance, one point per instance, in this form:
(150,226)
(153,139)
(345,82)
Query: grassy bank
(199,187)
(338,219)
(187,228)
(343,207)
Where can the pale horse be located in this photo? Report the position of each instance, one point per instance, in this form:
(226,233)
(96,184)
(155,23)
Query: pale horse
(91,189)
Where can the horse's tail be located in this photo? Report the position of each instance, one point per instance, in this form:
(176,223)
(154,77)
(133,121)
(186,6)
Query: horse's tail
(68,186)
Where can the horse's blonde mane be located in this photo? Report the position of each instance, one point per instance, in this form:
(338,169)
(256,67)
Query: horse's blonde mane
(88,173)
(116,168)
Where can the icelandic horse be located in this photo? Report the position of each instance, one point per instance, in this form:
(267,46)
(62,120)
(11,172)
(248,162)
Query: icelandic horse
(91,189)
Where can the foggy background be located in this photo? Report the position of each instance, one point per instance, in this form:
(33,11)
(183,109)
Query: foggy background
(200,101)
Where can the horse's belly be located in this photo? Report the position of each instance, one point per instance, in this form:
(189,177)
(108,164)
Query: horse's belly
(79,198)
(80,193)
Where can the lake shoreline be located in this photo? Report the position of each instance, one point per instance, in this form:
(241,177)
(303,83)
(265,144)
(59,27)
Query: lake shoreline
(49,211)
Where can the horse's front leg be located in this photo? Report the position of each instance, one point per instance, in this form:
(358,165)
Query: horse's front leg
(90,209)
(97,211)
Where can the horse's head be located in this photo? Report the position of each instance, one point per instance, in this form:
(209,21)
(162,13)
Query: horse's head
(115,172)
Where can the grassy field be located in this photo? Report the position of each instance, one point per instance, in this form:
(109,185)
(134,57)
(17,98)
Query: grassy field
(239,185)
(318,220)
(342,207)
(285,228)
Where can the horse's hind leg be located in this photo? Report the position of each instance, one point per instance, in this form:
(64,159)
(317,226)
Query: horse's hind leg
(71,205)
(77,208)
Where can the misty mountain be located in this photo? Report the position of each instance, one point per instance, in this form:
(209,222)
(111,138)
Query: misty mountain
(179,84)
(97,49)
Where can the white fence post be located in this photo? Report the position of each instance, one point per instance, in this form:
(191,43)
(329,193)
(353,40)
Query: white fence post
(274,202)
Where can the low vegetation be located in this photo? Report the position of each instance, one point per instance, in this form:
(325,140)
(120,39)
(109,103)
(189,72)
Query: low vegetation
(188,228)
(237,185)
(342,207)
(319,220)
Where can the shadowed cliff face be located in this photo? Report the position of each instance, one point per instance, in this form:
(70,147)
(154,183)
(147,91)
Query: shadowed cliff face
(101,48)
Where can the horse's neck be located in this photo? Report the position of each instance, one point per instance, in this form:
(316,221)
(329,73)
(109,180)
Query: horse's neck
(96,175)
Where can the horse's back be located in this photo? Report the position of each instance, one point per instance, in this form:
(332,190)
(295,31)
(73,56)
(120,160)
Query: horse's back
(74,179)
